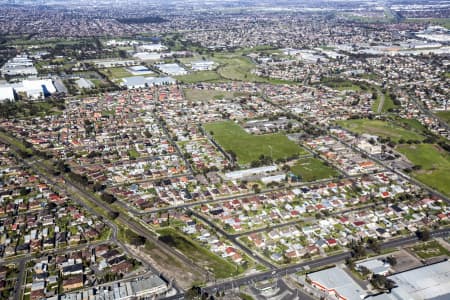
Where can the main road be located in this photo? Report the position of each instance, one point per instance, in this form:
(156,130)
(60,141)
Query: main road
(283,271)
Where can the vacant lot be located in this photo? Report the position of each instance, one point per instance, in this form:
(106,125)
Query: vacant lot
(116,73)
(238,67)
(445,22)
(201,76)
(434,165)
(249,147)
(383,129)
(203,95)
(199,254)
(340,84)
(231,66)
(311,169)
(430,249)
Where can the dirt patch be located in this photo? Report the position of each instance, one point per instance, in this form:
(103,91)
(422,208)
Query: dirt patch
(171,267)
(405,261)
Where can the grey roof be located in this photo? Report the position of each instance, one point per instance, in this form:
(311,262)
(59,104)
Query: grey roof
(147,283)
(135,81)
(337,279)
(429,282)
(84,83)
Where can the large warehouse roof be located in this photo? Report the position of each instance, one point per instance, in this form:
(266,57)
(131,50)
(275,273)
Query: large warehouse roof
(430,282)
(6,93)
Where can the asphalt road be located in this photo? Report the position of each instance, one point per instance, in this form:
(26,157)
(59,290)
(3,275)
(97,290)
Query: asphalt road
(305,220)
(311,264)
(226,198)
(136,227)
(260,276)
(234,240)
(275,273)
(234,237)
(78,193)
(362,152)
(20,279)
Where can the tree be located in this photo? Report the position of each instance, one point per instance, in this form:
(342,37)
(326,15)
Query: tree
(98,187)
(113,214)
(350,263)
(134,238)
(373,244)
(364,271)
(358,250)
(424,234)
(381,282)
(108,198)
(193,293)
(256,188)
(389,285)
(63,167)
(391,260)
(232,155)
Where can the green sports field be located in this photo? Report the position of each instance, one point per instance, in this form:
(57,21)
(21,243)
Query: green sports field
(311,169)
(249,147)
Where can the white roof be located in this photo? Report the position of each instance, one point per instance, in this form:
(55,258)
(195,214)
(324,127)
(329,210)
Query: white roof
(202,62)
(6,93)
(147,56)
(172,69)
(153,47)
(34,88)
(274,178)
(375,266)
(248,172)
(134,81)
(141,81)
(39,84)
